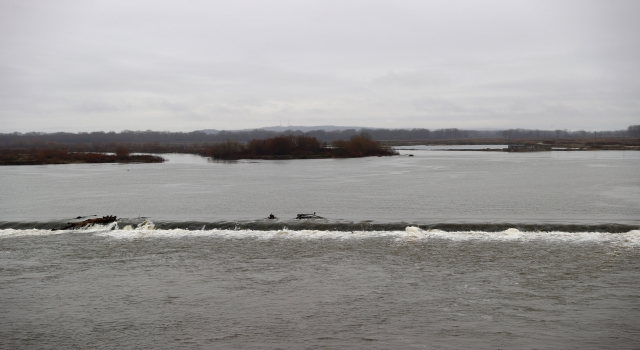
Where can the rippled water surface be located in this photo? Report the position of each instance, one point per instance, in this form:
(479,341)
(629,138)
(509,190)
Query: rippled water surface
(307,290)
(416,252)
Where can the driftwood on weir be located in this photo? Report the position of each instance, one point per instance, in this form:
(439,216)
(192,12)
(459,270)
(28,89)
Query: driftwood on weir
(309,216)
(103,220)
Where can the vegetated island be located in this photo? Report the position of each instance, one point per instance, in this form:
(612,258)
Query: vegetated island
(298,147)
(62,155)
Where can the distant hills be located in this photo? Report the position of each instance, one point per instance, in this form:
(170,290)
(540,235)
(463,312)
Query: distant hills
(311,128)
(293,128)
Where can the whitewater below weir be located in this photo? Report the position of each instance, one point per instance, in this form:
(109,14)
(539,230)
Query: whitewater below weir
(138,287)
(148,230)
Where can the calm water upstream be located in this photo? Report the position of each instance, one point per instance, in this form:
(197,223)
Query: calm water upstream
(432,186)
(441,250)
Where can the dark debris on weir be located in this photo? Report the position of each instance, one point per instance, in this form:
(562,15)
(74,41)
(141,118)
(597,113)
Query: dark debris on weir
(85,223)
(299,216)
(308,216)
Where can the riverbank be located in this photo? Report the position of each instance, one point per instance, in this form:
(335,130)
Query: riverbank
(63,156)
(613,144)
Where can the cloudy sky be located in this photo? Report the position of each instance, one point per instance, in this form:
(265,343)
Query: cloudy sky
(186,65)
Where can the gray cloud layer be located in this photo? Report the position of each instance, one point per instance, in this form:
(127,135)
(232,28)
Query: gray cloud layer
(170,65)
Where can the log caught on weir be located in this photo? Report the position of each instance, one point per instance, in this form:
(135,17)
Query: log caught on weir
(103,220)
(308,216)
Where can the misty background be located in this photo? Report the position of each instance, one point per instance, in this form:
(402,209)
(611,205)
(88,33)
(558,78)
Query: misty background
(182,66)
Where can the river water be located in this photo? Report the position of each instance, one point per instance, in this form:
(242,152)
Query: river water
(442,249)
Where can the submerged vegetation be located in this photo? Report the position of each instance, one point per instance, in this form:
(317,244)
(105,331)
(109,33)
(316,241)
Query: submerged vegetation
(298,147)
(50,155)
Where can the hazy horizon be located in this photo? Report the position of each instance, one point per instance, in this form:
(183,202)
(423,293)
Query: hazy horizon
(164,65)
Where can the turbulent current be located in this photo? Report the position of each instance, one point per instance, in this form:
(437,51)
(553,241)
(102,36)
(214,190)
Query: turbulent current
(443,250)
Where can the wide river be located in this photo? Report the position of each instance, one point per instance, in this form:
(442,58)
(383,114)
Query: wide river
(438,250)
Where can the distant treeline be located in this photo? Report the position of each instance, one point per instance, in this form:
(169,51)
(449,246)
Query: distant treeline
(33,139)
(632,131)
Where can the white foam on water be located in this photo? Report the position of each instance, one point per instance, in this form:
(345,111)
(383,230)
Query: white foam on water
(410,234)
(631,238)
(7,233)
(38,232)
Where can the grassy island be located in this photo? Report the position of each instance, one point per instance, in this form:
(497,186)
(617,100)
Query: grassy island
(39,156)
(297,147)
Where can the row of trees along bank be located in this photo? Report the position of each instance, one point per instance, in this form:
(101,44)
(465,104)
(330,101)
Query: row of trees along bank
(22,140)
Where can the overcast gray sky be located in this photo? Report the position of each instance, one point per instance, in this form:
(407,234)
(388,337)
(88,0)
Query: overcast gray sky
(87,65)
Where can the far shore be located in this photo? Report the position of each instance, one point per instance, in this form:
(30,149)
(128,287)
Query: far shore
(554,145)
(278,148)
